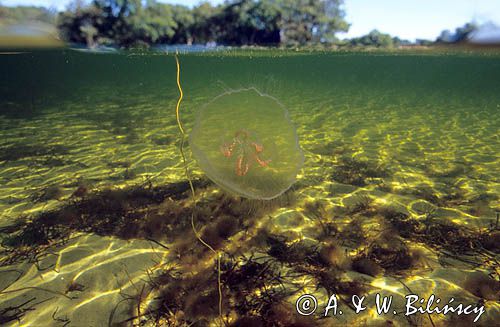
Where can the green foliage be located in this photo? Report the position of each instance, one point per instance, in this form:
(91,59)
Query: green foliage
(74,26)
(311,21)
(137,23)
(423,42)
(124,22)
(247,22)
(22,14)
(203,28)
(130,23)
(236,22)
(399,42)
(182,31)
(374,39)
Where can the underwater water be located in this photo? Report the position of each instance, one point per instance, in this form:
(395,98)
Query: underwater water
(399,191)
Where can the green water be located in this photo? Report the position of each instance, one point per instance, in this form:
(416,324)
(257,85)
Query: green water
(90,172)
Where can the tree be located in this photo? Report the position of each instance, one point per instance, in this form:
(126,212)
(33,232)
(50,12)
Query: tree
(236,22)
(375,39)
(184,19)
(75,5)
(445,37)
(126,22)
(204,28)
(399,42)
(247,22)
(89,32)
(23,14)
(461,34)
(120,21)
(423,42)
(156,23)
(311,21)
(70,24)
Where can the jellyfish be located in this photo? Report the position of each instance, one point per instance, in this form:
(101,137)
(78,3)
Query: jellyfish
(245,142)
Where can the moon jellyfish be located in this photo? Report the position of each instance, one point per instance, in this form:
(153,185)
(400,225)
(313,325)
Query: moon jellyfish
(245,142)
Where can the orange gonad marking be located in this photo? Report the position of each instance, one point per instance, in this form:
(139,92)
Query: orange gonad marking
(242,166)
(244,150)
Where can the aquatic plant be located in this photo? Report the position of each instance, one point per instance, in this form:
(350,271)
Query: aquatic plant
(153,213)
(296,252)
(384,187)
(367,266)
(245,142)
(448,239)
(255,284)
(135,212)
(52,192)
(425,209)
(391,254)
(158,213)
(362,204)
(333,254)
(491,240)
(425,192)
(401,222)
(353,232)
(317,211)
(356,172)
(81,191)
(16,313)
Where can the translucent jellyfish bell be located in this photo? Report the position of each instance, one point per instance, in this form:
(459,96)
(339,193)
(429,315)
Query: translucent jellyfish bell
(244,141)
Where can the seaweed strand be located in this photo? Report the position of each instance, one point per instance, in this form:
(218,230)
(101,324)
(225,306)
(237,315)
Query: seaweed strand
(193,193)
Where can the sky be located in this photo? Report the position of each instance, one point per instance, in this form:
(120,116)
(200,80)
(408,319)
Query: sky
(407,19)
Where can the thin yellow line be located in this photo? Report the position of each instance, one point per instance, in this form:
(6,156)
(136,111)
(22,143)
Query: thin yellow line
(183,135)
(193,194)
(181,95)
